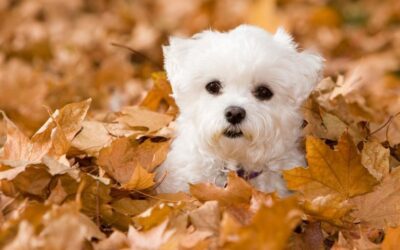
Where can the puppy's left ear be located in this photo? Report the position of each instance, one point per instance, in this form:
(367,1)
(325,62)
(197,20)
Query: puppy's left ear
(310,68)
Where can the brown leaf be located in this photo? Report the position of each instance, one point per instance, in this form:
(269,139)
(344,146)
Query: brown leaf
(151,239)
(376,159)
(117,240)
(121,158)
(311,238)
(207,217)
(237,191)
(131,207)
(330,208)
(380,208)
(142,119)
(331,171)
(34,180)
(140,179)
(58,194)
(19,150)
(68,121)
(92,138)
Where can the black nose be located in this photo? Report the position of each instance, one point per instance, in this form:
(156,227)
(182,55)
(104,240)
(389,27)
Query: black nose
(235,114)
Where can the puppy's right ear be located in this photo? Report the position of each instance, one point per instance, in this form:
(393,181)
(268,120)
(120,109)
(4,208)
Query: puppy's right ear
(174,56)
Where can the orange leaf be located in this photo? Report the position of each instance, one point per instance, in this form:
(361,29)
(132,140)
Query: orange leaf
(331,171)
(237,191)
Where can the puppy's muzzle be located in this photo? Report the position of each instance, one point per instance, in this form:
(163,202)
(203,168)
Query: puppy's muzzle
(234,114)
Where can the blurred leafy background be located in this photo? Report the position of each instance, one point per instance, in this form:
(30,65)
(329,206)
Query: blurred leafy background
(56,52)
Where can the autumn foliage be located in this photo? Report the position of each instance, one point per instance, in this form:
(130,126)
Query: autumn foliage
(85,123)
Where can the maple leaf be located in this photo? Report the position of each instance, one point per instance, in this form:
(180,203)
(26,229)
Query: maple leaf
(331,171)
(270,227)
(329,208)
(380,208)
(19,150)
(236,191)
(52,138)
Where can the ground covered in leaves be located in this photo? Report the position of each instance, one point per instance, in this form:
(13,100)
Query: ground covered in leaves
(87,118)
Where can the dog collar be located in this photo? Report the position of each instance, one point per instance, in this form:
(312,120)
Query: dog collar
(247,175)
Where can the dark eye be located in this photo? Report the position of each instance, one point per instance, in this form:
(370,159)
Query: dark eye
(262,93)
(214,87)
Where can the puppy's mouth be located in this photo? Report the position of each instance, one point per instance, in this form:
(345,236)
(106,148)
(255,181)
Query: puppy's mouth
(233,132)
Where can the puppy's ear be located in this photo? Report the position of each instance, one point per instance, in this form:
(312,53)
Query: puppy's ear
(310,69)
(174,57)
(284,38)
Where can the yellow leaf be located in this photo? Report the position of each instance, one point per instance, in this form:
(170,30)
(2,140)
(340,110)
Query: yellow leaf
(155,215)
(270,227)
(392,239)
(140,179)
(161,91)
(263,13)
(331,171)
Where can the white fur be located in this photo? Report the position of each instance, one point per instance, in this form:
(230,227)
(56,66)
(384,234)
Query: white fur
(241,59)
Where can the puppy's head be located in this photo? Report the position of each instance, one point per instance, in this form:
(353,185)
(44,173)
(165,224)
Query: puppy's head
(240,88)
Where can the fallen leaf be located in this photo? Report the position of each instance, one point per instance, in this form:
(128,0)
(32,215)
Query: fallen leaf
(280,219)
(330,208)
(376,159)
(379,208)
(311,238)
(92,138)
(151,239)
(58,194)
(19,150)
(121,158)
(140,179)
(236,191)
(392,239)
(142,119)
(331,171)
(154,215)
(161,91)
(117,240)
(207,217)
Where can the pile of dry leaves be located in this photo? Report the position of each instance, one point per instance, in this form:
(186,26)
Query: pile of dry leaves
(85,178)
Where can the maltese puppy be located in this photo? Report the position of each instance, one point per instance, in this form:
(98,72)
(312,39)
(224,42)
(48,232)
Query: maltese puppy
(239,95)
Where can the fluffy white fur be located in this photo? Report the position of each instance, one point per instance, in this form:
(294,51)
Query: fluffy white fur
(240,59)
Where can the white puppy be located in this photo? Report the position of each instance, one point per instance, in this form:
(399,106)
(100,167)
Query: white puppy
(239,95)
